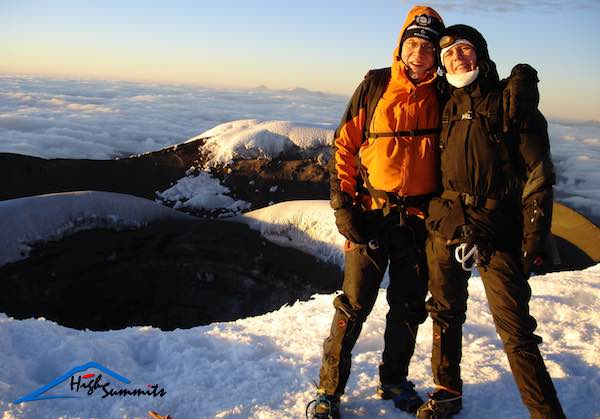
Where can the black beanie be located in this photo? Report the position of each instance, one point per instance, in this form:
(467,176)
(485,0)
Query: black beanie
(455,32)
(425,27)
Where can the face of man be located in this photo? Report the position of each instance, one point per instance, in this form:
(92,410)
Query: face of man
(418,55)
(461,58)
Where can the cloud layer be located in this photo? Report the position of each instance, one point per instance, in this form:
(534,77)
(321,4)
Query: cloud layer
(103,119)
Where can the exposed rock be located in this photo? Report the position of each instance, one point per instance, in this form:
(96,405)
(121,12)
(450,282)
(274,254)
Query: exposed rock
(143,175)
(137,175)
(175,274)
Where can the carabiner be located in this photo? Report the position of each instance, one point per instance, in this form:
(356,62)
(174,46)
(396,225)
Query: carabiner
(462,256)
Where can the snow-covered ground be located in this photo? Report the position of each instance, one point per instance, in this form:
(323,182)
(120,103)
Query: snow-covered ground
(260,367)
(263,367)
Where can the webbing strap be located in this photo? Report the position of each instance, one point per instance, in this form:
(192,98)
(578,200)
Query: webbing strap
(379,197)
(473,200)
(410,133)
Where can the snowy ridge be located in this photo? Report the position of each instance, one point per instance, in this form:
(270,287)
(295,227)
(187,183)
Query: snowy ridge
(36,219)
(252,139)
(199,190)
(244,139)
(306,225)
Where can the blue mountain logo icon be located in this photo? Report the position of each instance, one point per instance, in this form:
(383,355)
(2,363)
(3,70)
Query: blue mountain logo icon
(39,393)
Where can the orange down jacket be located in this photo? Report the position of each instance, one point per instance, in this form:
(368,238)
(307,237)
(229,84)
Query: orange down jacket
(405,165)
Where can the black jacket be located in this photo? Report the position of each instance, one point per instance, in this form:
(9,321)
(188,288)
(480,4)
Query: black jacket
(513,170)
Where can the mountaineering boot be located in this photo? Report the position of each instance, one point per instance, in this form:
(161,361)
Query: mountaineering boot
(324,406)
(442,403)
(402,394)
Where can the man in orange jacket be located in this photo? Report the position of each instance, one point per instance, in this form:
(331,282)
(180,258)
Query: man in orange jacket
(381,178)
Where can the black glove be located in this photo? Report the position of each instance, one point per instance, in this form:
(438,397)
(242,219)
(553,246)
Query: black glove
(521,96)
(533,254)
(349,223)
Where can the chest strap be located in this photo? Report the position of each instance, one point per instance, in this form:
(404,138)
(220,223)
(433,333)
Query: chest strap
(415,201)
(474,201)
(410,133)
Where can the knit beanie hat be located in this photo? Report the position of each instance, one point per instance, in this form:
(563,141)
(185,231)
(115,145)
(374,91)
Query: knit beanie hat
(425,27)
(455,34)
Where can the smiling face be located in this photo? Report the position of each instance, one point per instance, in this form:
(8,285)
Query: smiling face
(418,55)
(461,58)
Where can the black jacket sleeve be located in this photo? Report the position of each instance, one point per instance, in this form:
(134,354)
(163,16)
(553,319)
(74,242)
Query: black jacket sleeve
(537,196)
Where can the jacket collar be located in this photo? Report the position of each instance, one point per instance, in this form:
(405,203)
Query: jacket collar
(400,79)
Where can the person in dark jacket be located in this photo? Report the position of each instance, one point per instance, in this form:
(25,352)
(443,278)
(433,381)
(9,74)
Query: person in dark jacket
(495,212)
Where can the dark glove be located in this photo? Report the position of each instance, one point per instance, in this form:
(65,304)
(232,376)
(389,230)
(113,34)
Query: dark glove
(349,223)
(533,254)
(521,96)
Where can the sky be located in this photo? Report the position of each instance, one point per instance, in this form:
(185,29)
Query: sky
(324,46)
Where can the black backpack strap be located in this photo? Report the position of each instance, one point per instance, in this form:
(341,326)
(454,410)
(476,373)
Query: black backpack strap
(380,80)
(411,133)
(447,122)
(508,142)
(493,118)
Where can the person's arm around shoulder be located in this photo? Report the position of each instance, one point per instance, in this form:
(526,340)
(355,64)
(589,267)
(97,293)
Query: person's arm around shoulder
(520,95)
(537,197)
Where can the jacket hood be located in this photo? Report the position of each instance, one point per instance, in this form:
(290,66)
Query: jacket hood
(438,26)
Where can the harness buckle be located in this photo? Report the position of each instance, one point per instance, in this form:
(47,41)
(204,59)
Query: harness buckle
(467,115)
(473,200)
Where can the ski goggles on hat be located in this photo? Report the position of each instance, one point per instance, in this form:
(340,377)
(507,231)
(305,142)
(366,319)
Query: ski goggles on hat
(450,43)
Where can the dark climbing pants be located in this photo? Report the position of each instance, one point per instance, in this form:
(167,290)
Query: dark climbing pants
(508,294)
(403,247)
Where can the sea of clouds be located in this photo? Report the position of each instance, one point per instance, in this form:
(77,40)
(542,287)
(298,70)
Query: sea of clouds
(54,118)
